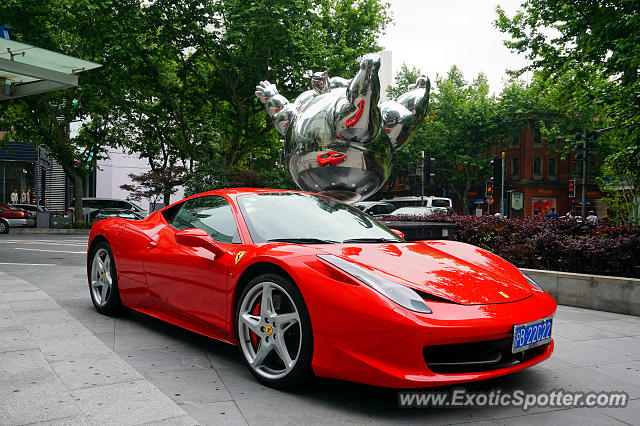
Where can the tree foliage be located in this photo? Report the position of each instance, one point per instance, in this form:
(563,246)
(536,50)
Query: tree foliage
(77,28)
(586,53)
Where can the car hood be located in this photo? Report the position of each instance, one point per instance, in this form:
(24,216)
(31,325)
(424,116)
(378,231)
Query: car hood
(458,272)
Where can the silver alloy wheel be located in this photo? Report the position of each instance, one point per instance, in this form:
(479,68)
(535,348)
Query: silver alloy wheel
(101,280)
(3,227)
(269,330)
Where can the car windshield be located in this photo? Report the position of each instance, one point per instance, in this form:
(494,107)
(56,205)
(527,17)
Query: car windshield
(308,218)
(440,203)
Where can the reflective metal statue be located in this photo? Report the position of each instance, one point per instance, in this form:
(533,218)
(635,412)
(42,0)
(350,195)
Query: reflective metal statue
(338,140)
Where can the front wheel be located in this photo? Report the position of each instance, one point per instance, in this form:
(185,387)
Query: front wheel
(4,227)
(274,331)
(103,281)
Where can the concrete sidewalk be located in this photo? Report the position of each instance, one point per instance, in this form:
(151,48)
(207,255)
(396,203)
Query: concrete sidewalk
(52,369)
(63,363)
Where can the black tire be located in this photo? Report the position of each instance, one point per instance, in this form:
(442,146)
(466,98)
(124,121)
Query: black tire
(111,304)
(4,226)
(301,370)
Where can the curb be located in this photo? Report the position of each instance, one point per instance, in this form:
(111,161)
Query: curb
(49,231)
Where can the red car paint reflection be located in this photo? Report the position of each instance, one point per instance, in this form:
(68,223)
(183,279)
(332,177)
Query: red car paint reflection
(331,158)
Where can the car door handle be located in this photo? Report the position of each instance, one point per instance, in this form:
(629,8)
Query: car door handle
(152,244)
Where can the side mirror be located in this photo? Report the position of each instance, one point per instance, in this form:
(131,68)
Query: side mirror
(196,237)
(398,233)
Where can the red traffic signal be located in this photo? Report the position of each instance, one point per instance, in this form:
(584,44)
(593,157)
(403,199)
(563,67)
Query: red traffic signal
(572,188)
(488,191)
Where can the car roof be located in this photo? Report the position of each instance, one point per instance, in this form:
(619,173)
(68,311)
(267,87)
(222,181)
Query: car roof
(371,203)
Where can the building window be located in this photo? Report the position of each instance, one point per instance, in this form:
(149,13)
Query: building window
(552,170)
(515,166)
(537,137)
(537,167)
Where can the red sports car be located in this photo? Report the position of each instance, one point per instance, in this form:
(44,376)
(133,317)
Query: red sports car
(304,283)
(331,158)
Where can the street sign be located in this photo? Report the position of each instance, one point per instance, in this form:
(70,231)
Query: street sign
(517,200)
(489,200)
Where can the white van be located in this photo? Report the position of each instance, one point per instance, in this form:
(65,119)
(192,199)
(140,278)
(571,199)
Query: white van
(438,204)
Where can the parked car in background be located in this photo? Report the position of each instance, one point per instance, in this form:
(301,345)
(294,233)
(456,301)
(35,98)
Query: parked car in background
(439,204)
(91,204)
(413,211)
(375,208)
(13,217)
(33,208)
(97,215)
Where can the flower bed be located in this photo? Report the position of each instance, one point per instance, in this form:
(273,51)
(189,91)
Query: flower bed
(565,245)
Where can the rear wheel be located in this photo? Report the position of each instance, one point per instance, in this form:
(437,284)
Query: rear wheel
(4,227)
(274,331)
(103,281)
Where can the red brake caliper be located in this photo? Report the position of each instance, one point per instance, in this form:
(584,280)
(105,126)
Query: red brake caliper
(254,336)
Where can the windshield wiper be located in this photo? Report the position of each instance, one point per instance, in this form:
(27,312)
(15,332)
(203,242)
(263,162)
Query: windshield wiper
(372,240)
(301,241)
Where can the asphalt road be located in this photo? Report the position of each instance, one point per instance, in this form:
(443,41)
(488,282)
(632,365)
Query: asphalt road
(594,351)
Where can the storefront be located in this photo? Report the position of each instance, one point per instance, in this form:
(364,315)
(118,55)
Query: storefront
(23,169)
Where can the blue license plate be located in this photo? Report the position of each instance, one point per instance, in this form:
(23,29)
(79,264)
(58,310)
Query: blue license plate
(531,334)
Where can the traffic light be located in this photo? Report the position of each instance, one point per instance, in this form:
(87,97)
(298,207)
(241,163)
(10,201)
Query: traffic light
(429,169)
(572,188)
(497,169)
(488,191)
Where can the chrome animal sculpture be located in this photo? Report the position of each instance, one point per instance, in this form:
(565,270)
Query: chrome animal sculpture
(338,140)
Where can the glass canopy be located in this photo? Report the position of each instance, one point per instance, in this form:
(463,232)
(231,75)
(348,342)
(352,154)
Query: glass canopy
(29,70)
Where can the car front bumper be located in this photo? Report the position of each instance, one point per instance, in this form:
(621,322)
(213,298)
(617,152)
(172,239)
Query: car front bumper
(385,345)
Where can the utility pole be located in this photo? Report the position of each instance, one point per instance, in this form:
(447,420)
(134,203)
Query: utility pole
(585,162)
(503,207)
(422,180)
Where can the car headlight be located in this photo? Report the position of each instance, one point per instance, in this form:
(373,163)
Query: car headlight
(402,295)
(533,283)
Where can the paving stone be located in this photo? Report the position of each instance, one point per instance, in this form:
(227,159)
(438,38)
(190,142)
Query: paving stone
(625,371)
(191,386)
(8,319)
(34,305)
(94,370)
(38,407)
(126,404)
(629,414)
(242,385)
(173,358)
(624,327)
(589,353)
(573,416)
(582,331)
(14,340)
(19,296)
(216,413)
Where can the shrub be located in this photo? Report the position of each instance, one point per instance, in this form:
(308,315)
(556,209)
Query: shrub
(566,245)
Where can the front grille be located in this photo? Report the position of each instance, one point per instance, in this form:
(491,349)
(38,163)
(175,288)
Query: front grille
(474,356)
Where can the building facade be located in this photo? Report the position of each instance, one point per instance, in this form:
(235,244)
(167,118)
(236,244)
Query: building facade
(537,179)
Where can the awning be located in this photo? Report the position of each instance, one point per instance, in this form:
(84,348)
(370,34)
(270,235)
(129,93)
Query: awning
(28,70)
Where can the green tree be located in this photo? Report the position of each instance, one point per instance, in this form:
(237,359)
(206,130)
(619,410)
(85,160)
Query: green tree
(78,28)
(463,123)
(586,53)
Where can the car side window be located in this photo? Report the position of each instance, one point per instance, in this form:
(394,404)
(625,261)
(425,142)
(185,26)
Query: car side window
(210,213)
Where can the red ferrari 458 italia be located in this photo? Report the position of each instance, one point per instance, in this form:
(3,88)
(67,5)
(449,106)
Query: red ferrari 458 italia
(331,158)
(303,284)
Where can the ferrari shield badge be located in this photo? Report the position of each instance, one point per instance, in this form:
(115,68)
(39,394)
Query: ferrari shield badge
(239,256)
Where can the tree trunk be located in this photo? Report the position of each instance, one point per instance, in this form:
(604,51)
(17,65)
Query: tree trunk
(167,197)
(77,194)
